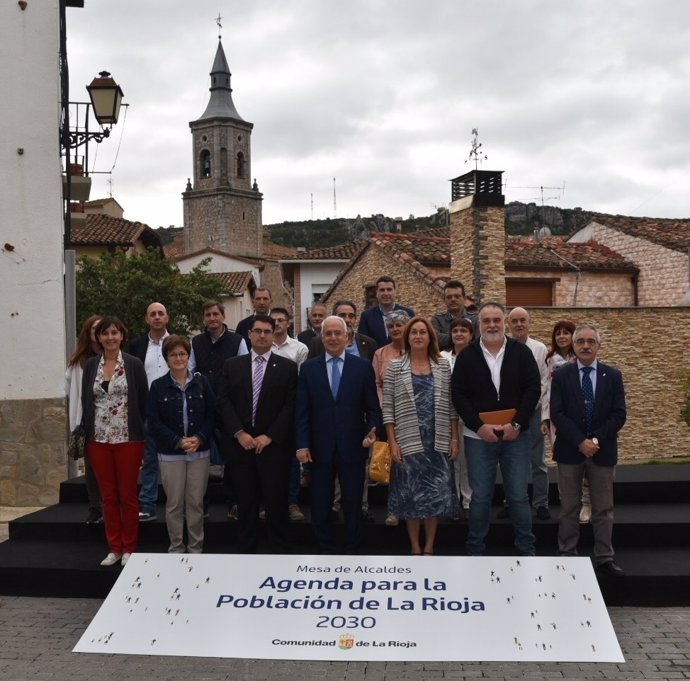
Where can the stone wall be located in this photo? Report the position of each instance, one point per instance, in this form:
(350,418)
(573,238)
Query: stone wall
(651,346)
(33,457)
(590,289)
(478,245)
(664,274)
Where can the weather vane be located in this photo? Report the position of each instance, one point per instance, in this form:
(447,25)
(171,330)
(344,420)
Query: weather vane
(475,154)
(219,24)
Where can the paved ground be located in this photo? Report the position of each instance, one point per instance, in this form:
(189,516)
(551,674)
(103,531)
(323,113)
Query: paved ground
(38,634)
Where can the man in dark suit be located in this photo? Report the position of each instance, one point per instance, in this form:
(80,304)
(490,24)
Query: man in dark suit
(357,343)
(337,417)
(262,300)
(256,402)
(587,410)
(317,313)
(372,322)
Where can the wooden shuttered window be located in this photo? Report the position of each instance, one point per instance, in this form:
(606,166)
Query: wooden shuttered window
(529,292)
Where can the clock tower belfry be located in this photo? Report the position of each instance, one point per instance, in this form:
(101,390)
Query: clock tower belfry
(222,206)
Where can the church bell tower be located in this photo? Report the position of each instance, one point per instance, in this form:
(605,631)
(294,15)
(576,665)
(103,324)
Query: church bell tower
(222,206)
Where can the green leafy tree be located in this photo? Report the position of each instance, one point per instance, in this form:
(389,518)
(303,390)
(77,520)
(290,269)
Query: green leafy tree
(122,285)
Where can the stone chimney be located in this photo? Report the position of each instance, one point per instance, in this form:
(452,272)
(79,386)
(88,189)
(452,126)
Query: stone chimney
(477,235)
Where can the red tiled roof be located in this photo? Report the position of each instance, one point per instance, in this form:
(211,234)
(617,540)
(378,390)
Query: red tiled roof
(234,283)
(421,251)
(104,230)
(555,253)
(339,252)
(669,233)
(425,249)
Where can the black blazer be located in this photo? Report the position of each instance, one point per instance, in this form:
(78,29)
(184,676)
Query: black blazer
(275,410)
(568,414)
(138,347)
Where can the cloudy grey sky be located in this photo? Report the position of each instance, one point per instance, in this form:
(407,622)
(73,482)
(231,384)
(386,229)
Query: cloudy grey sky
(383,95)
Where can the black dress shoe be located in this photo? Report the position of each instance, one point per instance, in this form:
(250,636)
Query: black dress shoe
(610,568)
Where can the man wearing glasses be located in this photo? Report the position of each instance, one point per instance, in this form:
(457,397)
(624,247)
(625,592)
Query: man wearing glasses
(256,402)
(358,344)
(588,410)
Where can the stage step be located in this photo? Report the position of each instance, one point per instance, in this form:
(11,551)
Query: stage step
(53,552)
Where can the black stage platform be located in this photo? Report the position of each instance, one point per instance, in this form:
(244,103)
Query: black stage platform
(54,553)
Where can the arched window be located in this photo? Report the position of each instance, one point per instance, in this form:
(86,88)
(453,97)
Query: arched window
(240,165)
(205,163)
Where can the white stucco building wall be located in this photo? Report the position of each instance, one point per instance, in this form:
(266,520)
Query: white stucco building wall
(312,278)
(32,326)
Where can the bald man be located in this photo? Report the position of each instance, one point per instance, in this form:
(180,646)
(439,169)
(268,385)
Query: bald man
(149,349)
(519,321)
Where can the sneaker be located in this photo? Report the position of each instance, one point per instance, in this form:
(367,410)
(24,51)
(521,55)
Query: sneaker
(125,558)
(111,559)
(585,514)
(543,513)
(145,517)
(391,520)
(503,514)
(232,513)
(95,516)
(295,514)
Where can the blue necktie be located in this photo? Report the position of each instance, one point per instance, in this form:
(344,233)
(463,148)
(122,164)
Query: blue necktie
(588,395)
(335,375)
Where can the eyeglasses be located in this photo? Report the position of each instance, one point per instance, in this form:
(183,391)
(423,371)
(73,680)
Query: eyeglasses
(262,332)
(177,355)
(586,341)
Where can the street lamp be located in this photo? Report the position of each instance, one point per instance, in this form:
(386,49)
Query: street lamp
(106,98)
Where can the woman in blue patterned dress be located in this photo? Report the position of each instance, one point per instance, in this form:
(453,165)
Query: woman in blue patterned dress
(422,429)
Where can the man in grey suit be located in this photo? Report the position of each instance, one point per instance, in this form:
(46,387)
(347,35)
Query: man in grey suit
(588,410)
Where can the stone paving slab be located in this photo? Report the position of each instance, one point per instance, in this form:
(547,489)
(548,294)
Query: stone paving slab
(38,634)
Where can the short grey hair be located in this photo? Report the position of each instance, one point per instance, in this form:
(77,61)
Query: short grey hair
(586,327)
(397,316)
(330,318)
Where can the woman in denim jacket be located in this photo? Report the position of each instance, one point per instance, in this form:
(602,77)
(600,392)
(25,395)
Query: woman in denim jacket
(181,409)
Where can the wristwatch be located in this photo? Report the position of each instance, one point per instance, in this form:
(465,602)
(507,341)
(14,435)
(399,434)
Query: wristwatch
(516,425)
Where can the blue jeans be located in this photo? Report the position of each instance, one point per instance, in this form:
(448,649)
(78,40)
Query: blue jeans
(514,459)
(148,493)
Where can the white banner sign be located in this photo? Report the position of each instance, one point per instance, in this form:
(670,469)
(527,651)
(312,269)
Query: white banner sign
(408,608)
